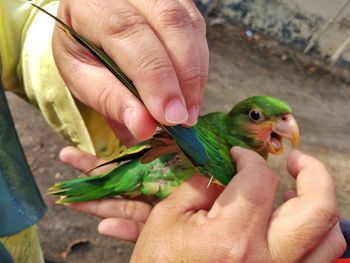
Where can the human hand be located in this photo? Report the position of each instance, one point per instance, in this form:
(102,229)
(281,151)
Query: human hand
(200,224)
(121,218)
(160,45)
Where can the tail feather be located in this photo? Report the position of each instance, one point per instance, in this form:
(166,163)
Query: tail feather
(89,196)
(122,180)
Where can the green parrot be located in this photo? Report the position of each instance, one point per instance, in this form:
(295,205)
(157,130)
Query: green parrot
(158,166)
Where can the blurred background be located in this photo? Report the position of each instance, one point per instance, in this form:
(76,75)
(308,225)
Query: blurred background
(296,50)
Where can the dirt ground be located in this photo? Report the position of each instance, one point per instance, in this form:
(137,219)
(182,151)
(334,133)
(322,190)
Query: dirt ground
(239,68)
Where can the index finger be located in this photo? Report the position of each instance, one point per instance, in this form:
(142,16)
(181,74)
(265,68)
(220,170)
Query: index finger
(115,208)
(127,37)
(181,29)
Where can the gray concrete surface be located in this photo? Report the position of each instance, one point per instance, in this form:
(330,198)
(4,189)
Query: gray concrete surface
(318,27)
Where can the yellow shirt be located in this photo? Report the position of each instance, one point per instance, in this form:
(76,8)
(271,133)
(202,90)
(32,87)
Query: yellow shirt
(28,69)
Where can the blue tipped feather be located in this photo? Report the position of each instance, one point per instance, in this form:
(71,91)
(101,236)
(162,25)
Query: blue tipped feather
(187,140)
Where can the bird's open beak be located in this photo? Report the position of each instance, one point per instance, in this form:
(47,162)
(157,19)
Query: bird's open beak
(284,127)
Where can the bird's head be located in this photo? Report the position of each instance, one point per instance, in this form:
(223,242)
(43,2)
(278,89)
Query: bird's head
(262,122)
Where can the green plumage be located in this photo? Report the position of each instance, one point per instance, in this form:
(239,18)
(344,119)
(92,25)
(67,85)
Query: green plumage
(158,177)
(156,167)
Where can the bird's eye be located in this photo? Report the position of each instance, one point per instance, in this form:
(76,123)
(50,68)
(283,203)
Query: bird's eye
(255,115)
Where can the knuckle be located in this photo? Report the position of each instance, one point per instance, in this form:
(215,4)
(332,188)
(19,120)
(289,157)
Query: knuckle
(129,209)
(204,78)
(236,253)
(240,251)
(153,65)
(233,256)
(103,99)
(233,249)
(198,22)
(328,214)
(175,16)
(97,211)
(201,222)
(204,81)
(122,22)
(204,74)
(190,74)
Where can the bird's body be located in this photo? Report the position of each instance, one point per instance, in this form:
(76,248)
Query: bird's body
(157,167)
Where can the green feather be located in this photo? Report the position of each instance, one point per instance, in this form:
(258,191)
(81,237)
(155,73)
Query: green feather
(270,105)
(152,167)
(163,174)
(158,178)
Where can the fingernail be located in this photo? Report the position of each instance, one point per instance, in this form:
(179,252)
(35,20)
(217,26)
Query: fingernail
(193,115)
(105,226)
(128,119)
(176,112)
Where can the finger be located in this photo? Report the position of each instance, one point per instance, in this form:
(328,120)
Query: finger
(120,228)
(94,85)
(84,162)
(181,29)
(199,27)
(123,133)
(193,195)
(331,248)
(251,193)
(117,208)
(78,159)
(311,175)
(125,35)
(295,234)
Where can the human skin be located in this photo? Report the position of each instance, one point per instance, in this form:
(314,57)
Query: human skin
(159,44)
(236,223)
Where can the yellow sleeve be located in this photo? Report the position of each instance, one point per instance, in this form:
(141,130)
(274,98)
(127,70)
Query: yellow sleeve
(28,69)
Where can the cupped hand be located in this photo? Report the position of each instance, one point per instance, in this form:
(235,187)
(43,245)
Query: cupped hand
(238,224)
(121,218)
(159,44)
